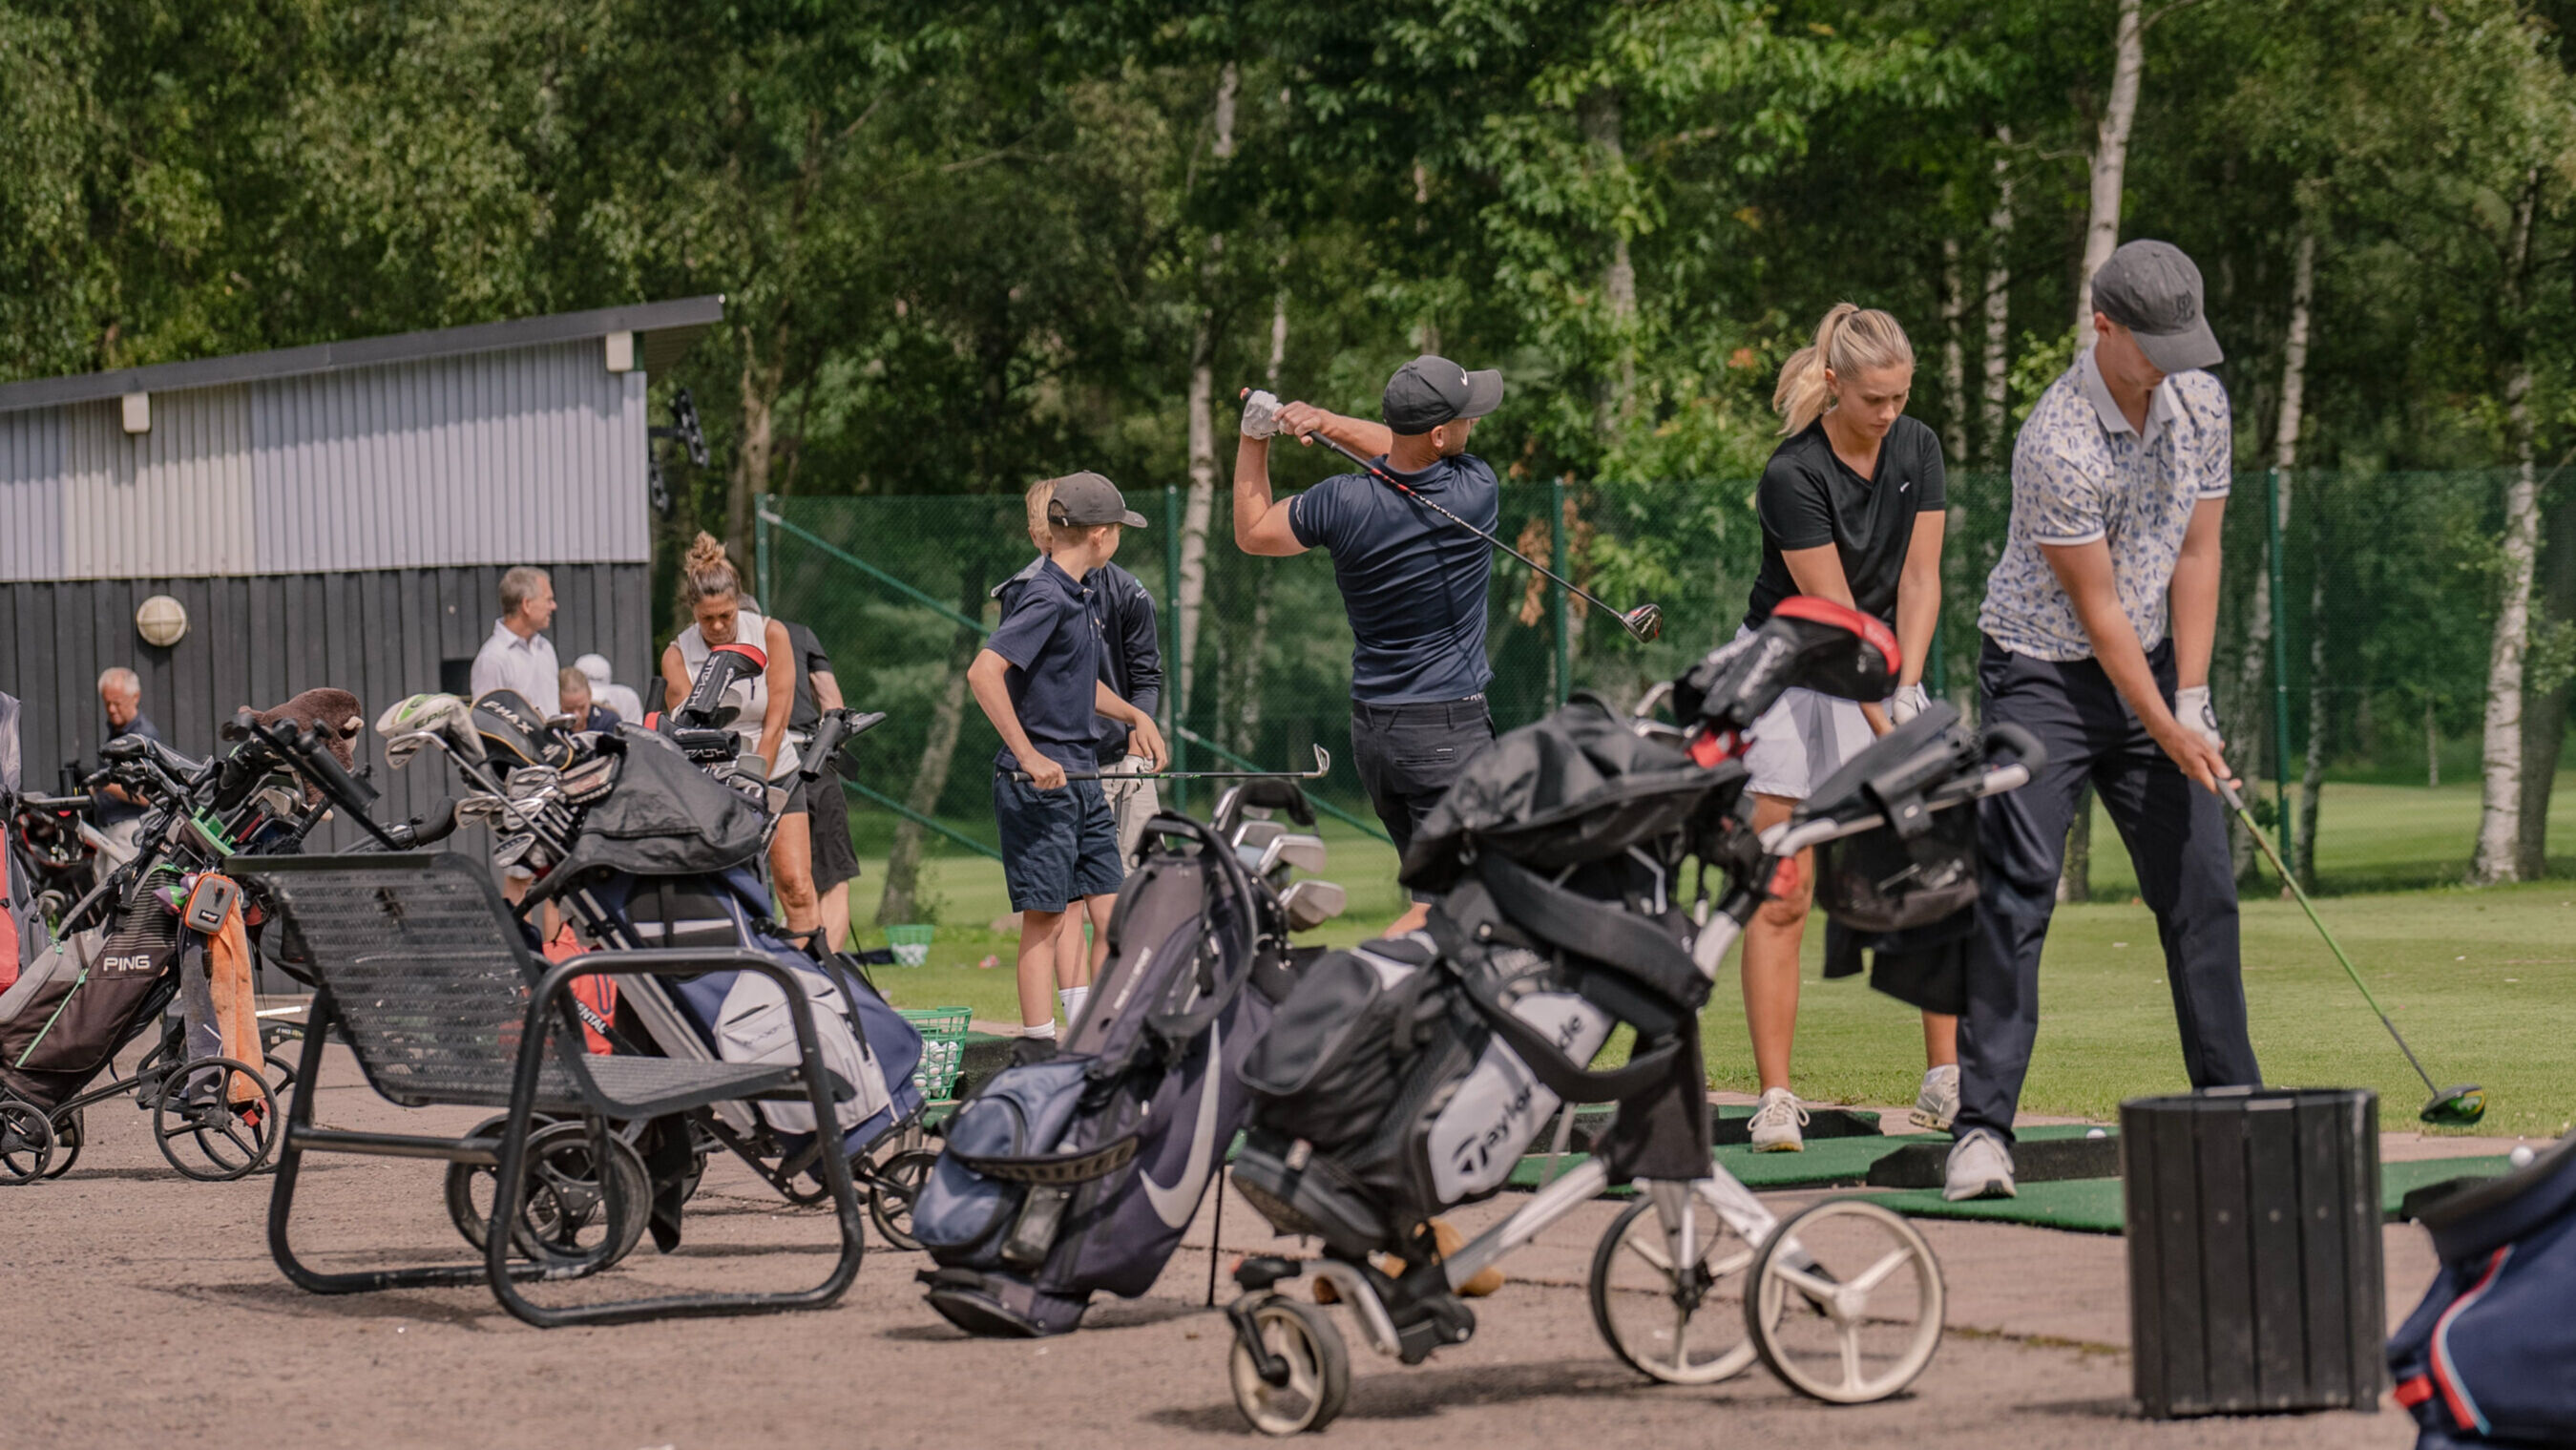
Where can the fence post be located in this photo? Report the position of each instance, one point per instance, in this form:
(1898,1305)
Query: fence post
(1936,673)
(760,507)
(1172,702)
(1556,556)
(2280,672)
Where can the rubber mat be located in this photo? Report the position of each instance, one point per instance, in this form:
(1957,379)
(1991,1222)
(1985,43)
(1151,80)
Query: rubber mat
(2093,1205)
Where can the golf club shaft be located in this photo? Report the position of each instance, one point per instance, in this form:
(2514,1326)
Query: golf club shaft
(2264,844)
(1022,775)
(1408,491)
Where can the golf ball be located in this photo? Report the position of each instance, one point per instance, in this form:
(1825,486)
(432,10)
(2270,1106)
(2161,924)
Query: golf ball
(2096,1133)
(2521,1157)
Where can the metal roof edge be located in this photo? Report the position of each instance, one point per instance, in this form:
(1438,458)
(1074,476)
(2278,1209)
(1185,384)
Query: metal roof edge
(682,314)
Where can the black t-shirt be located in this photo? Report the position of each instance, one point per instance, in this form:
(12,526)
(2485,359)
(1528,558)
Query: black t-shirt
(1809,498)
(1414,582)
(810,661)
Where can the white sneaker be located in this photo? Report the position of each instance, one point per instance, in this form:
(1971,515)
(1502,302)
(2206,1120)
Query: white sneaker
(1776,1121)
(1981,1166)
(1938,1102)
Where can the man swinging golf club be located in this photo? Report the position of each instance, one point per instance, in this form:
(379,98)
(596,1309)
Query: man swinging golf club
(2098,621)
(1413,582)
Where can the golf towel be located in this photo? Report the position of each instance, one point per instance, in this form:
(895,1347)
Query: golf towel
(228,968)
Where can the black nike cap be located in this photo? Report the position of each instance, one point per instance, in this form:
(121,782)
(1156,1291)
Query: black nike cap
(1430,391)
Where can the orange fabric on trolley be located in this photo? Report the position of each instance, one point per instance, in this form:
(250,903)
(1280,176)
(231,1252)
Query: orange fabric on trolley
(599,994)
(228,964)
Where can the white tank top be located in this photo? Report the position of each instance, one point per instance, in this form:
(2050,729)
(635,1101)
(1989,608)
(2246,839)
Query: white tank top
(750,695)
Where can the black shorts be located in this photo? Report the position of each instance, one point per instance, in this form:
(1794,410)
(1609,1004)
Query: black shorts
(827,818)
(1408,754)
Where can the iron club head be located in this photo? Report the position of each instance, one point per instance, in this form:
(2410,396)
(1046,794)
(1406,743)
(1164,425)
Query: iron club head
(1646,621)
(2456,1107)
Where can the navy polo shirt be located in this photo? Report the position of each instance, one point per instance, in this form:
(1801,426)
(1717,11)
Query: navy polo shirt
(1413,582)
(1053,647)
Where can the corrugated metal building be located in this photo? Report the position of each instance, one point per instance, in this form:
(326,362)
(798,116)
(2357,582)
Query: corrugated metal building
(331,515)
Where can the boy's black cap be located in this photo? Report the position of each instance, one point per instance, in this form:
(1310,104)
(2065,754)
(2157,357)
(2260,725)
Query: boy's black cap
(1082,500)
(1430,391)
(2153,290)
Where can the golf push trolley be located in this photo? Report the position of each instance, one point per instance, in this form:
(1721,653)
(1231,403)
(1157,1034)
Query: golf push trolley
(1418,1069)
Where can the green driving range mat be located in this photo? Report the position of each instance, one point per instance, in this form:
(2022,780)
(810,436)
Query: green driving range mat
(2093,1205)
(1826,1163)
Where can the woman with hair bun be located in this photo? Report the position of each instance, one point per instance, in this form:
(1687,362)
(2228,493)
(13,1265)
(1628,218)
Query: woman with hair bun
(1852,507)
(712,588)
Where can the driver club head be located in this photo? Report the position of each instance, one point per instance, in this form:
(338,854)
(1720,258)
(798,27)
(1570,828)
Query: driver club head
(449,718)
(1646,621)
(2456,1107)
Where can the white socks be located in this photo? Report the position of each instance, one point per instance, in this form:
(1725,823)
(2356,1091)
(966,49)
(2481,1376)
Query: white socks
(1044,1031)
(1072,998)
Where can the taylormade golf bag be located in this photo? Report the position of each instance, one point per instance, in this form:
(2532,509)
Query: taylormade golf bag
(2484,1359)
(1079,1173)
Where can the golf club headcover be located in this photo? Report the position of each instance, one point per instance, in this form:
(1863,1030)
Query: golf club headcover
(1260,415)
(726,664)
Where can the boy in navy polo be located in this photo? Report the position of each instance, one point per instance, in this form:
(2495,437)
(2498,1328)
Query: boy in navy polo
(1038,681)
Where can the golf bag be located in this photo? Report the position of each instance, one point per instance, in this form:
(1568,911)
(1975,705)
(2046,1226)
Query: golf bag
(1404,1077)
(1079,1173)
(2484,1359)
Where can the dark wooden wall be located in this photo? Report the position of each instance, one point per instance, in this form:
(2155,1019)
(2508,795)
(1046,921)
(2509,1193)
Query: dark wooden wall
(257,641)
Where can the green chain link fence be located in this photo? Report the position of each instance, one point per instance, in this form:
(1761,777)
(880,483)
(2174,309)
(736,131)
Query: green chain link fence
(2362,622)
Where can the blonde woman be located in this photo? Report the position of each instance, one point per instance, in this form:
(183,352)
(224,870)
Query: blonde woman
(1852,509)
(712,589)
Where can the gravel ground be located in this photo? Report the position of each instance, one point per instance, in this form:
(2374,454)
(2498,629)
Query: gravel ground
(147,1310)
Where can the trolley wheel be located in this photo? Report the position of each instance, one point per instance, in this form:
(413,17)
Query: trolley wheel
(1319,1369)
(26,1141)
(281,1081)
(892,1188)
(215,1140)
(1678,1326)
(1846,1302)
(470,1185)
(68,1131)
(575,1217)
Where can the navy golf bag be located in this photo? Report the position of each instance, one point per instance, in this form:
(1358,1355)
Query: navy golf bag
(2485,1359)
(1079,1173)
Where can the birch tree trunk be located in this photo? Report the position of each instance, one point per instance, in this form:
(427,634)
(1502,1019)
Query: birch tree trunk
(760,387)
(2500,746)
(899,903)
(1247,713)
(1954,355)
(1201,503)
(2544,723)
(1599,115)
(2247,734)
(2312,778)
(1999,226)
(2111,156)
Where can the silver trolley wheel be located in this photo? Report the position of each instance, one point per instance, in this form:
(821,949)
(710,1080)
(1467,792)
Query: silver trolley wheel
(1683,1326)
(1847,1302)
(1319,1369)
(26,1141)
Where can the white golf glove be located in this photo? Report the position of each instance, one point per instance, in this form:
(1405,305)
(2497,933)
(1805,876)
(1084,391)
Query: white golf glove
(1906,703)
(2192,708)
(1260,415)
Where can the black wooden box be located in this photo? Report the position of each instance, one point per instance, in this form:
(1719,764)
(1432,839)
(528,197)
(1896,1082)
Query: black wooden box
(2255,1281)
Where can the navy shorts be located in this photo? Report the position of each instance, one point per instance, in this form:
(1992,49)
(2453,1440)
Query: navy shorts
(1058,846)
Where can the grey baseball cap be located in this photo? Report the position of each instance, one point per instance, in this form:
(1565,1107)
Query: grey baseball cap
(1084,499)
(1430,391)
(2153,290)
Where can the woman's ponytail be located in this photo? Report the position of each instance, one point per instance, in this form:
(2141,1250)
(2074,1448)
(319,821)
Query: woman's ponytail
(1849,338)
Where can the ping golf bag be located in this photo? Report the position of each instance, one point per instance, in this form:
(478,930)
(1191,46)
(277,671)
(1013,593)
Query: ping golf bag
(1078,1174)
(2484,1359)
(1403,1077)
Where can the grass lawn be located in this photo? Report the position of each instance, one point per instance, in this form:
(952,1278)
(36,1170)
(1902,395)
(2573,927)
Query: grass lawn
(2483,982)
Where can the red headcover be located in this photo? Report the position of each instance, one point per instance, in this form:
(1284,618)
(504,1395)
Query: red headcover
(1824,611)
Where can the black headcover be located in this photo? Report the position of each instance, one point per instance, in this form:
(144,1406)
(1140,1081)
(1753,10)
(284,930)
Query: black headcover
(1576,786)
(1809,643)
(1921,866)
(665,817)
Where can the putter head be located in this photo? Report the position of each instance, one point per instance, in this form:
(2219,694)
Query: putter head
(2456,1107)
(1310,903)
(1646,621)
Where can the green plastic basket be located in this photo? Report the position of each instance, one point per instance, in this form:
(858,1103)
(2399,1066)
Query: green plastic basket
(943,1049)
(911,944)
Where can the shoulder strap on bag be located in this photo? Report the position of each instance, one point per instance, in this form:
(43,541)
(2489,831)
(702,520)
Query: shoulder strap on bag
(1598,931)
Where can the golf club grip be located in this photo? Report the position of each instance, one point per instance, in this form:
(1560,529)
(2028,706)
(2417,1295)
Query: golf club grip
(2010,739)
(324,767)
(429,827)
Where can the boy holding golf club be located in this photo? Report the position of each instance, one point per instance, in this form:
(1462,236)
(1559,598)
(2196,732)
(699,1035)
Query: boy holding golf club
(2098,619)
(1038,680)
(1413,580)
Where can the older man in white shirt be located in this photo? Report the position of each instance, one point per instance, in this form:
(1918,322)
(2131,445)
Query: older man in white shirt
(518,656)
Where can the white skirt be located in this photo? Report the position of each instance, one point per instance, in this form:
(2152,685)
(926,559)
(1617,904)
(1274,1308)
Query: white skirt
(1801,741)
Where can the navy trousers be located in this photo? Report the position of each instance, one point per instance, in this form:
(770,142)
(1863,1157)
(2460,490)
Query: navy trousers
(2176,833)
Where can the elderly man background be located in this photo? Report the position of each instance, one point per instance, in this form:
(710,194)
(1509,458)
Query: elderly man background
(118,816)
(518,656)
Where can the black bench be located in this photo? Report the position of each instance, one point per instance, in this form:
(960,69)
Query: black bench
(419,967)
